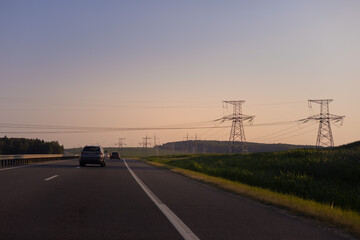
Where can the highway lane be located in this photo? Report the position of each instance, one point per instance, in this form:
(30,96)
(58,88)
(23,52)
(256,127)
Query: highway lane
(81,203)
(107,203)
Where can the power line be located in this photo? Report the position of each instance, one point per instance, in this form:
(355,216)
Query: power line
(297,134)
(88,103)
(275,137)
(93,129)
(275,104)
(283,131)
(271,124)
(273,133)
(81,129)
(206,134)
(216,132)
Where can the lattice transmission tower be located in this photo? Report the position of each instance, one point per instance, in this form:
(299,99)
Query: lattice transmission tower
(146,142)
(324,137)
(237,140)
(121,143)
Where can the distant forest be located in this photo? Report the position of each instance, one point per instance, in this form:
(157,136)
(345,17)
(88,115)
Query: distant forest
(201,146)
(12,146)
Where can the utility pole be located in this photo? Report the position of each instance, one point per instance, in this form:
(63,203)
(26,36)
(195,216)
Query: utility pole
(121,143)
(146,142)
(155,145)
(324,137)
(237,132)
(187,143)
(195,142)
(155,140)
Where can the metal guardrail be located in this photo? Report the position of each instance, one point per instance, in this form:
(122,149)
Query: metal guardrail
(23,159)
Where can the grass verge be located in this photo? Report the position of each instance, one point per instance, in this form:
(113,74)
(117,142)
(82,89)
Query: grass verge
(327,214)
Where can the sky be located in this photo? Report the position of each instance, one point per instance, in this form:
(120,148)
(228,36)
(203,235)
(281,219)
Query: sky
(143,64)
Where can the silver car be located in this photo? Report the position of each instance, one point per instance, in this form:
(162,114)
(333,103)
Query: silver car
(92,155)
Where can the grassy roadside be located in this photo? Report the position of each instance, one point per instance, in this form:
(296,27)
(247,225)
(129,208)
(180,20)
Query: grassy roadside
(332,216)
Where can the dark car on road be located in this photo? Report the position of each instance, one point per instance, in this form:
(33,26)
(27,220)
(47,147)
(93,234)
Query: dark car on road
(92,155)
(115,155)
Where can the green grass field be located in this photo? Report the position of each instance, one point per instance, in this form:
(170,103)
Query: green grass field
(330,176)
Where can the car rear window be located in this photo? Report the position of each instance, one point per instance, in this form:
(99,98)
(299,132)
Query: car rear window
(115,153)
(91,149)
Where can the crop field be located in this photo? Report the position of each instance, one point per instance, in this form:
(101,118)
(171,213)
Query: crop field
(330,176)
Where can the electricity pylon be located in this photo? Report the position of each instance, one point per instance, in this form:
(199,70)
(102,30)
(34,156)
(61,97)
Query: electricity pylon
(237,133)
(324,137)
(120,143)
(145,142)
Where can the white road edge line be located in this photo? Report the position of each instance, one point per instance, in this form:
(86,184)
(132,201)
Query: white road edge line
(184,230)
(49,178)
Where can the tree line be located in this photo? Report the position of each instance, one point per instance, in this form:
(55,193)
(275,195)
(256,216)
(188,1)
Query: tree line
(208,146)
(11,146)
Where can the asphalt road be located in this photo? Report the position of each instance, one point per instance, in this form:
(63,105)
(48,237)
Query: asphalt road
(59,200)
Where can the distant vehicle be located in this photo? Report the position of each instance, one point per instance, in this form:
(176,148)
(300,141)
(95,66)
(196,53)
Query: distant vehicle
(115,155)
(92,155)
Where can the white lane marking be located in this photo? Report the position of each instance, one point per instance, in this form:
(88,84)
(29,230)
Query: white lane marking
(49,178)
(78,167)
(30,165)
(184,230)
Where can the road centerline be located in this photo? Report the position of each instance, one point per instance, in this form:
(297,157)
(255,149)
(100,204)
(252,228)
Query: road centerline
(180,226)
(50,178)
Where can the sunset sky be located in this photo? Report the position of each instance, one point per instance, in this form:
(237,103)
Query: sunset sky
(139,64)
